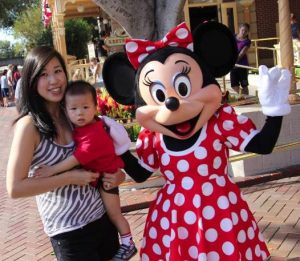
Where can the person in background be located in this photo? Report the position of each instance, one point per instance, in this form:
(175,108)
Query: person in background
(10,80)
(295,27)
(18,94)
(78,226)
(96,70)
(16,75)
(4,88)
(239,76)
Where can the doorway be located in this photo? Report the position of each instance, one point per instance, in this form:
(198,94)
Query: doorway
(201,14)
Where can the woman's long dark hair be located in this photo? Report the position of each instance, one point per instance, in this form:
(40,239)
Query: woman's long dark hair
(30,100)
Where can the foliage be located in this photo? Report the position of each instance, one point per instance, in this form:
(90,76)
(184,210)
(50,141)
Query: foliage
(133,131)
(78,34)
(11,9)
(108,106)
(30,29)
(6,50)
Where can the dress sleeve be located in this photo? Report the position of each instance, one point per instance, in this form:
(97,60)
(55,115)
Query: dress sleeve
(146,151)
(236,130)
(94,145)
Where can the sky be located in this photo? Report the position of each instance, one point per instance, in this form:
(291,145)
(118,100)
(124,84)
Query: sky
(5,36)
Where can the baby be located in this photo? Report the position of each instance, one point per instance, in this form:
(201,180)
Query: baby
(94,151)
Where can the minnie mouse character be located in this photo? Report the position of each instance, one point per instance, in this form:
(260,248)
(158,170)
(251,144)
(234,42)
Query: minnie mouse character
(199,214)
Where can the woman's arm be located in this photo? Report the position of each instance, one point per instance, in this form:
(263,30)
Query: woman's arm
(25,140)
(243,52)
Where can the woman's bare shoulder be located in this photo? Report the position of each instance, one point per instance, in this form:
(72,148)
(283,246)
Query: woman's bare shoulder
(25,126)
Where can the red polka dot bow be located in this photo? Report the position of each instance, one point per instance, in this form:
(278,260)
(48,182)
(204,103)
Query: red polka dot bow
(137,50)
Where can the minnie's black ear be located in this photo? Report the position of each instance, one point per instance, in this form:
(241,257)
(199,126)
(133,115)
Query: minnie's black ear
(119,77)
(215,45)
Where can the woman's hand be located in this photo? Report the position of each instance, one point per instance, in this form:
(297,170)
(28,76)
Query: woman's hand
(113,180)
(81,177)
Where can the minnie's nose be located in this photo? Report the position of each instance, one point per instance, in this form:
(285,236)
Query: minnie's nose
(172,103)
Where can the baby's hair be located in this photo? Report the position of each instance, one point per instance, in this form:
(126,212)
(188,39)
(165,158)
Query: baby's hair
(81,87)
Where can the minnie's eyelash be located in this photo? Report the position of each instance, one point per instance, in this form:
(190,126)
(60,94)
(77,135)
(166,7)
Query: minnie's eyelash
(147,82)
(186,70)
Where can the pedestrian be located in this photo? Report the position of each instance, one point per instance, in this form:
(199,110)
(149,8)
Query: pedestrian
(96,70)
(18,94)
(295,27)
(71,210)
(16,75)
(239,76)
(5,88)
(199,213)
(89,135)
(10,80)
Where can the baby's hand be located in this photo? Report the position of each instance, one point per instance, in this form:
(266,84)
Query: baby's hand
(44,171)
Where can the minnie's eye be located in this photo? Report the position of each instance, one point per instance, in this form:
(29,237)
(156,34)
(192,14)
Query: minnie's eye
(158,93)
(182,86)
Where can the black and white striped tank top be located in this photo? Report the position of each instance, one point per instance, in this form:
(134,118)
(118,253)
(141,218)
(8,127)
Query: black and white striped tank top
(67,208)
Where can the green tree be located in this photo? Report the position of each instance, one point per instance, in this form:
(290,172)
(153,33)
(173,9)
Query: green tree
(6,50)
(11,9)
(78,33)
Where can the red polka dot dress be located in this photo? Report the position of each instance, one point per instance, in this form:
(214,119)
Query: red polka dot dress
(200,214)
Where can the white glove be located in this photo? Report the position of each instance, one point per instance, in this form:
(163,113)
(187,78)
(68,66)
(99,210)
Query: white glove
(273,91)
(118,134)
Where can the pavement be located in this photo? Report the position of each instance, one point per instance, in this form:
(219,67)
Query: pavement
(274,198)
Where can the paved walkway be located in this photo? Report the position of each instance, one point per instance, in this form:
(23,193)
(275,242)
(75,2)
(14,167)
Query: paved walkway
(275,204)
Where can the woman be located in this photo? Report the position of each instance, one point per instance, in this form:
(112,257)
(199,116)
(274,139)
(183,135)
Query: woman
(96,70)
(239,76)
(4,88)
(72,211)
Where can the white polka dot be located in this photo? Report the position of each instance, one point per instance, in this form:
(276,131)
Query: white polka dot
(257,250)
(203,170)
(211,235)
(172,236)
(207,189)
(143,242)
(197,201)
(198,238)
(142,57)
(170,189)
(131,47)
(200,153)
(261,237)
(200,225)
(166,205)
(226,224)
(208,212)
(223,202)
(249,254)
(183,165)
(217,145)
(165,159)
(213,256)
(146,143)
(241,236)
(190,46)
(250,233)
(233,140)
(152,233)
(193,252)
(227,109)
(145,257)
(150,48)
(190,217)
(179,199)
(217,162)
(156,249)
(174,216)
(221,181)
(263,255)
(228,248)
(159,197)
(166,240)
(183,233)
(169,174)
(187,183)
(235,218)
(174,44)
(138,144)
(217,130)
(243,134)
(232,197)
(182,33)
(151,159)
(228,125)
(202,257)
(168,256)
(165,39)
(242,119)
(244,215)
(254,225)
(164,223)
(154,215)
(228,144)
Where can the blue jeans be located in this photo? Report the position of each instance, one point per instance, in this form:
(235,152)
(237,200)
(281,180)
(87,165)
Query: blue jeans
(97,241)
